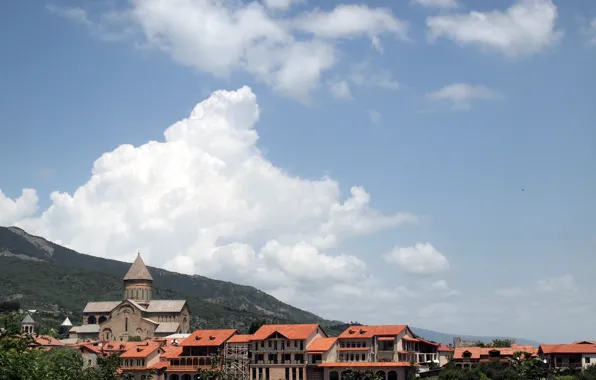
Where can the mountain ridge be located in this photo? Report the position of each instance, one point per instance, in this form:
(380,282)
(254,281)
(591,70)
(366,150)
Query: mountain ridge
(41,274)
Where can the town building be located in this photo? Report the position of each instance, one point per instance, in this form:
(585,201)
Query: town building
(577,354)
(280,352)
(202,350)
(136,315)
(28,324)
(469,356)
(386,350)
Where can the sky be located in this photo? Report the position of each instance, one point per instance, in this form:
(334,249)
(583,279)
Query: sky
(427,162)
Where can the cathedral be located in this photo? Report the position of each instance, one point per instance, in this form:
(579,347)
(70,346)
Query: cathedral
(137,315)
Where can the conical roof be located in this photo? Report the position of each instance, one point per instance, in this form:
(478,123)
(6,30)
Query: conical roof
(27,320)
(138,271)
(66,322)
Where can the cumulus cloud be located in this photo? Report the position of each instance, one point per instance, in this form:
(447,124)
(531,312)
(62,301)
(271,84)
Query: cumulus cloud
(206,201)
(289,53)
(526,28)
(13,210)
(363,75)
(460,95)
(422,258)
(445,4)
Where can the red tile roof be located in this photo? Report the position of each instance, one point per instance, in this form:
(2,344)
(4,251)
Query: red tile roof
(46,340)
(577,348)
(371,331)
(483,352)
(171,352)
(364,364)
(139,352)
(444,347)
(208,338)
(289,331)
(240,338)
(321,344)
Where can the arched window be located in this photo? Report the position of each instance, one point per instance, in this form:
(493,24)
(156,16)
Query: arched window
(102,319)
(333,375)
(186,377)
(392,375)
(174,377)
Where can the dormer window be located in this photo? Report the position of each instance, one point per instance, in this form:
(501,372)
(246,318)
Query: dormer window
(362,331)
(351,332)
(494,353)
(211,337)
(467,354)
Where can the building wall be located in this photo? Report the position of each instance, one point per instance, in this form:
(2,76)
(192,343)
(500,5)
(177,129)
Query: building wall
(588,360)
(399,371)
(444,357)
(89,359)
(126,321)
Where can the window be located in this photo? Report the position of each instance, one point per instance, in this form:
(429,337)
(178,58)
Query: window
(587,360)
(125,325)
(363,357)
(301,345)
(287,374)
(333,375)
(269,344)
(260,373)
(254,374)
(262,344)
(299,358)
(300,374)
(266,373)
(272,358)
(293,373)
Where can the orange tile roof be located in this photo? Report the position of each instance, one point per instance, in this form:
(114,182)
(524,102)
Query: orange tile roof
(321,344)
(139,352)
(444,347)
(480,352)
(158,365)
(240,338)
(364,364)
(289,331)
(371,331)
(208,338)
(171,352)
(578,348)
(46,340)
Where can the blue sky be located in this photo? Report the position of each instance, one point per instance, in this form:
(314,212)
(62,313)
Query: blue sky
(447,129)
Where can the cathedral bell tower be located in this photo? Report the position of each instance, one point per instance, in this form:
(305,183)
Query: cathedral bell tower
(138,283)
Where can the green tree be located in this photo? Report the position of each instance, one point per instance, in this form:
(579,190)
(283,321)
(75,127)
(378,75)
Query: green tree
(255,325)
(500,343)
(135,338)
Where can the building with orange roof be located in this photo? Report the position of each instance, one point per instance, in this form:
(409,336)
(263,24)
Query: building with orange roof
(141,361)
(578,354)
(469,356)
(279,352)
(195,353)
(445,354)
(385,350)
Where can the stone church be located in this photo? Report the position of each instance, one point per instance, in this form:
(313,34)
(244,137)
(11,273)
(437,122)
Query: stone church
(137,315)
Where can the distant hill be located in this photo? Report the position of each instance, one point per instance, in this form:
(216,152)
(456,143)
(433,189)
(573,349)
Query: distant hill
(58,282)
(448,338)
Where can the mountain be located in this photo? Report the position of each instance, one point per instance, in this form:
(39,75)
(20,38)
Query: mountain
(48,277)
(448,338)
(58,282)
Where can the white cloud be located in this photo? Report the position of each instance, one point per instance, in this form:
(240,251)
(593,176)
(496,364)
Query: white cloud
(526,28)
(351,20)
(206,201)
(460,95)
(438,310)
(289,53)
(374,116)
(443,288)
(445,4)
(11,211)
(340,89)
(281,5)
(422,258)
